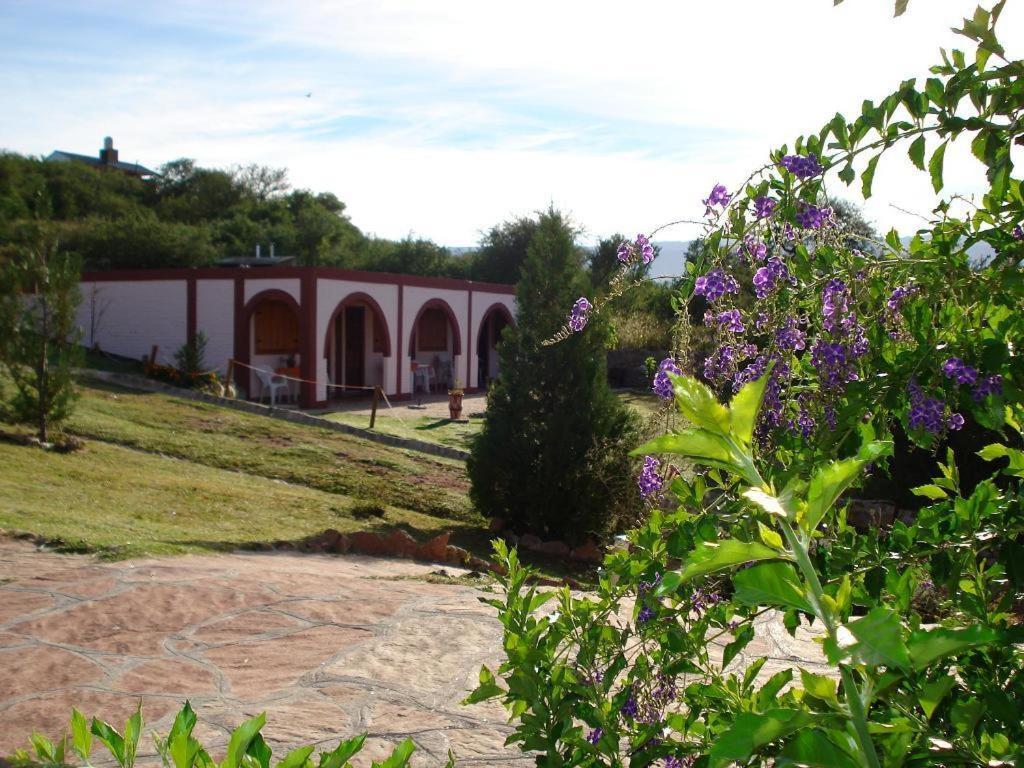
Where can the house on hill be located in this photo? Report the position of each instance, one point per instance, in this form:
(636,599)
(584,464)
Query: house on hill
(108,158)
(323,325)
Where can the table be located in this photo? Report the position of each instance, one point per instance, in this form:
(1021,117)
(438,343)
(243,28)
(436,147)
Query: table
(292,373)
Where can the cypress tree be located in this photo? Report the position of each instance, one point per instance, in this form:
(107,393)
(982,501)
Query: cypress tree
(552,457)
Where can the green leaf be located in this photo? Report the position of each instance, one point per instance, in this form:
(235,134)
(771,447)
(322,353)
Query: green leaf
(132,732)
(699,404)
(993,451)
(768,536)
(110,738)
(184,750)
(743,636)
(867,176)
(296,758)
(706,448)
(933,694)
(44,748)
(935,166)
(259,751)
(928,645)
(819,686)
(487,689)
(342,752)
(81,737)
(744,407)
(710,557)
(400,757)
(750,731)
(847,174)
(770,504)
(826,486)
(184,721)
(880,639)
(929,492)
(240,739)
(771,584)
(812,748)
(916,152)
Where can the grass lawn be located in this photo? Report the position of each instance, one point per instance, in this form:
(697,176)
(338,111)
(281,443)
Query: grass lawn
(428,428)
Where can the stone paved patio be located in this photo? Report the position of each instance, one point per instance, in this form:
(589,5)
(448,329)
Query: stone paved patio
(327,646)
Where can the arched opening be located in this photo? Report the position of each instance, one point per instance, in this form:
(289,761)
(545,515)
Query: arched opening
(271,322)
(494,322)
(434,344)
(356,343)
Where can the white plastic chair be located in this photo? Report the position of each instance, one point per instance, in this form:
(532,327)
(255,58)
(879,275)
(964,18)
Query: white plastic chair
(267,381)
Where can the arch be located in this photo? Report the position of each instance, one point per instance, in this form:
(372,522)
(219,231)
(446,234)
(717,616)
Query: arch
(271,294)
(453,323)
(501,308)
(378,317)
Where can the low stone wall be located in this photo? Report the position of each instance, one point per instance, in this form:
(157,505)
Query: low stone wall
(140,383)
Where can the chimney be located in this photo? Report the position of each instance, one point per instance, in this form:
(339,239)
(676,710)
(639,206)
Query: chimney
(271,250)
(257,250)
(108,155)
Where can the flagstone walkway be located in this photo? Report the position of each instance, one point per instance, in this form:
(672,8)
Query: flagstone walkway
(327,646)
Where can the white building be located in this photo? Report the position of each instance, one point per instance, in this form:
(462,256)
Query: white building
(360,329)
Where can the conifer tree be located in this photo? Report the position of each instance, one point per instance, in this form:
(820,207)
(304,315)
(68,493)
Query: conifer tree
(552,458)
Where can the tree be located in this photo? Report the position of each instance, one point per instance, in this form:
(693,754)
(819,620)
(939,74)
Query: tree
(503,251)
(552,456)
(38,331)
(262,182)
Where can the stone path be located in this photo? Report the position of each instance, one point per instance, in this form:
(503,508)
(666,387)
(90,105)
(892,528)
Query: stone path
(328,646)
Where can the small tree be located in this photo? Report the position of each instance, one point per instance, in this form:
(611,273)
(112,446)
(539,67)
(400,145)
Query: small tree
(191,356)
(39,334)
(552,456)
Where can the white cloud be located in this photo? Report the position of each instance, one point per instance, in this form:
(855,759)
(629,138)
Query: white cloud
(480,111)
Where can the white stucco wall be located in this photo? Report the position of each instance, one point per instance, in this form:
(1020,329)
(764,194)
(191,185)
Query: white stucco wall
(482,302)
(413,300)
(330,293)
(215,316)
(137,315)
(258,285)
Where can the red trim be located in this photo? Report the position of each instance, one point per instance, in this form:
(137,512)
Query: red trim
(500,308)
(190,303)
(444,307)
(398,358)
(241,336)
(378,317)
(330,273)
(307,340)
(469,330)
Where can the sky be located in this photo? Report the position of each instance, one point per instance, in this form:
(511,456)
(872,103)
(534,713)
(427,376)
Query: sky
(440,119)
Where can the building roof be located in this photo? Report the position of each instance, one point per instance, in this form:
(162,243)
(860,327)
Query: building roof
(256,261)
(133,168)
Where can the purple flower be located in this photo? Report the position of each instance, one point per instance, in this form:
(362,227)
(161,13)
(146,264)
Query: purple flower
(769,277)
(686,761)
(595,735)
(812,217)
(990,385)
(646,586)
(578,318)
(719,197)
(715,284)
(629,709)
(954,368)
(731,320)
(754,248)
(834,362)
(895,301)
(645,615)
(789,337)
(835,308)
(926,413)
(641,248)
(662,384)
(955,422)
(764,207)
(649,481)
(800,166)
(788,232)
(1018,233)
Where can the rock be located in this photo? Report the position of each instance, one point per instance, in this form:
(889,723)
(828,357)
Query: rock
(497,525)
(870,514)
(367,543)
(529,541)
(456,555)
(478,563)
(402,543)
(587,553)
(436,549)
(554,549)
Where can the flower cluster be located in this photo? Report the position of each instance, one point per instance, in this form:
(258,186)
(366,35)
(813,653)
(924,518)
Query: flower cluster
(719,197)
(990,385)
(800,166)
(789,337)
(955,368)
(764,207)
(715,284)
(662,384)
(1018,233)
(686,761)
(929,413)
(754,248)
(769,277)
(812,217)
(650,482)
(641,249)
(578,317)
(731,320)
(595,735)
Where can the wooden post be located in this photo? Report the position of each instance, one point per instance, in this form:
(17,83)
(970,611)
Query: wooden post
(229,379)
(373,408)
(152,354)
